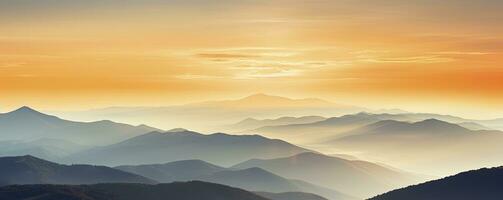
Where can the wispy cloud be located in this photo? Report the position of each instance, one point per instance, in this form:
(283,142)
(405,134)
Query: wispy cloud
(12,65)
(225,55)
(255,72)
(411,59)
(462,53)
(197,77)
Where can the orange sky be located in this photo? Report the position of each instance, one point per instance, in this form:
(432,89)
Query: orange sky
(420,55)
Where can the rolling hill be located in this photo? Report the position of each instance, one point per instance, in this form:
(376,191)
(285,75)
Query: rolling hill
(356,178)
(162,147)
(122,191)
(484,184)
(32,170)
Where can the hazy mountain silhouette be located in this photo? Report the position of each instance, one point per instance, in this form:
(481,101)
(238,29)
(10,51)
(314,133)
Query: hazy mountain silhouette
(321,130)
(185,170)
(194,190)
(32,170)
(212,116)
(432,146)
(357,178)
(477,184)
(157,147)
(50,149)
(429,126)
(339,126)
(28,124)
(492,123)
(257,179)
(474,126)
(252,179)
(261,100)
(290,196)
(251,123)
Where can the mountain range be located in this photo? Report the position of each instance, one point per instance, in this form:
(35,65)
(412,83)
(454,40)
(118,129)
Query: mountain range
(32,170)
(214,116)
(318,131)
(251,123)
(179,144)
(476,184)
(357,178)
(251,179)
(194,190)
(27,124)
(429,146)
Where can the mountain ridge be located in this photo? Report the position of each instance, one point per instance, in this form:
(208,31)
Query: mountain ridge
(252,179)
(32,170)
(26,123)
(161,147)
(343,175)
(194,190)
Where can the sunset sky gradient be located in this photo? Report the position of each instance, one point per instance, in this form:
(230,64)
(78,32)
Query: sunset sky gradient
(419,55)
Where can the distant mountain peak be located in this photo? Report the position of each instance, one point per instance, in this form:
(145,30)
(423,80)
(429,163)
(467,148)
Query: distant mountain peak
(432,121)
(255,170)
(426,126)
(309,154)
(262,99)
(435,123)
(25,109)
(26,157)
(177,130)
(27,160)
(25,113)
(260,95)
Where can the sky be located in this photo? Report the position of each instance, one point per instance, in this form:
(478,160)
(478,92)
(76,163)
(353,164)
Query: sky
(418,55)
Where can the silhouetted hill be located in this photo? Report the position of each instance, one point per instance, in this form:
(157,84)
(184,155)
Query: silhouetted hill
(28,124)
(218,148)
(483,184)
(252,179)
(357,178)
(290,196)
(194,190)
(185,170)
(32,170)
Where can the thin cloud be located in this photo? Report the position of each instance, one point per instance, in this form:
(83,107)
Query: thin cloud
(225,55)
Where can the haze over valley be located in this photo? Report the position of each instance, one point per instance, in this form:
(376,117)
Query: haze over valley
(312,154)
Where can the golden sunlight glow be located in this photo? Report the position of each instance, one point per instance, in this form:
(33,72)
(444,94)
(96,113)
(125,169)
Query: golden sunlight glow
(94,53)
